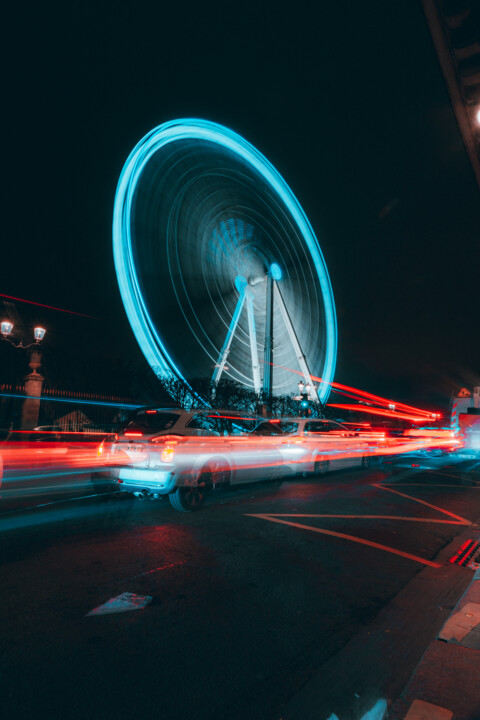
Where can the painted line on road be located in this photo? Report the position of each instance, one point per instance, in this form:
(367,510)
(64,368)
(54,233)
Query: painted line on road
(429,485)
(457,520)
(462,521)
(122,603)
(456,477)
(367,517)
(344,536)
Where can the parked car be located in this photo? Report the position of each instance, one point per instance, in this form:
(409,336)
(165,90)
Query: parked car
(49,428)
(315,446)
(165,451)
(33,450)
(41,462)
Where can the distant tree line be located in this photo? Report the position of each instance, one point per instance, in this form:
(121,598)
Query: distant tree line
(229,394)
(79,369)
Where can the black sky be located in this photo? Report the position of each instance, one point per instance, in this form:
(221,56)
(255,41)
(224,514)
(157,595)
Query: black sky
(346,99)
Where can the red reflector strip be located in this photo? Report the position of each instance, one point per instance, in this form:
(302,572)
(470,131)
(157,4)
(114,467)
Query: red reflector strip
(466,553)
(133,434)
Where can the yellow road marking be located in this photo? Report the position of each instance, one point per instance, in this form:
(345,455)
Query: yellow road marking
(456,477)
(365,517)
(458,520)
(361,541)
(461,520)
(429,485)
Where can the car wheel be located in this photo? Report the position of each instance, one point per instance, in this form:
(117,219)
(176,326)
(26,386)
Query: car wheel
(320,466)
(191,494)
(216,474)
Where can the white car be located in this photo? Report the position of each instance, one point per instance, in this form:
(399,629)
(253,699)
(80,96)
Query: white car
(165,451)
(317,446)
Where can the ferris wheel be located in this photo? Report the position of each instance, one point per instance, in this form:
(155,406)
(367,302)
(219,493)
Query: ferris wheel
(218,267)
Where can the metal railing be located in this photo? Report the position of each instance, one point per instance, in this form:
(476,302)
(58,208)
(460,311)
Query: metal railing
(69,411)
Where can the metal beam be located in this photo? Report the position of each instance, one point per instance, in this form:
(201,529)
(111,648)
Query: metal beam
(268,348)
(294,340)
(253,344)
(222,359)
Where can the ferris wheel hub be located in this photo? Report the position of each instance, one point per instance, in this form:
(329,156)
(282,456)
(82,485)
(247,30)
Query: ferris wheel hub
(255,280)
(275,271)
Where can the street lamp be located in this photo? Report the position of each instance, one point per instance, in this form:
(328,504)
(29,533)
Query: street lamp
(34,380)
(305,390)
(305,396)
(6,328)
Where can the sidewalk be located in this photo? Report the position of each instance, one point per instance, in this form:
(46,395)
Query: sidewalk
(388,659)
(446,682)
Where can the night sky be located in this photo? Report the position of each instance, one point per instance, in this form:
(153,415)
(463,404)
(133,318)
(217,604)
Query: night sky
(347,100)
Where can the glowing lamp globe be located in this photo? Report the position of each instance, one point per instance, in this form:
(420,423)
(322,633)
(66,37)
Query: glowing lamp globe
(6,327)
(276,271)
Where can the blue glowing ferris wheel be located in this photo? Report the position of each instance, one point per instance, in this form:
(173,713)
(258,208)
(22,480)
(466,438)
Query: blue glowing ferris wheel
(218,267)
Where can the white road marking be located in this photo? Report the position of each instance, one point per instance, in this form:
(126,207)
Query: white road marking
(457,520)
(344,536)
(462,521)
(122,603)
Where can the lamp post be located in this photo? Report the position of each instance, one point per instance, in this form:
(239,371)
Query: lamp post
(306,395)
(33,381)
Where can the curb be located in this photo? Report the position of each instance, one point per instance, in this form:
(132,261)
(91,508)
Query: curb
(445,684)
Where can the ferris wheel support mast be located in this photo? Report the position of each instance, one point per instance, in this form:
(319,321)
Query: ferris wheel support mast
(268,347)
(245,296)
(241,285)
(273,293)
(253,344)
(294,340)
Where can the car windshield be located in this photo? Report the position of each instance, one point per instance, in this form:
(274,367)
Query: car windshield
(222,424)
(339,426)
(152,421)
(323,426)
(268,428)
(288,428)
(239,425)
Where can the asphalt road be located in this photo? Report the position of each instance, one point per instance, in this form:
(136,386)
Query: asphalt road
(288,601)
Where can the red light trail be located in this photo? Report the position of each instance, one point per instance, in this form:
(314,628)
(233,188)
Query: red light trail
(50,307)
(407,412)
(383,413)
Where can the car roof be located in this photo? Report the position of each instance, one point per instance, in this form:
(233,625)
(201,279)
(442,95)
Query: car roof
(304,420)
(195,411)
(299,419)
